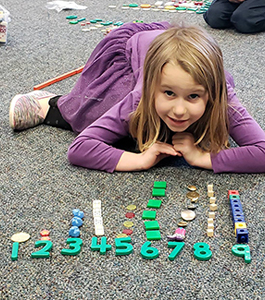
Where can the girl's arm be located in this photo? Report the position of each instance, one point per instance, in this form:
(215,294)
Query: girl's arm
(249,157)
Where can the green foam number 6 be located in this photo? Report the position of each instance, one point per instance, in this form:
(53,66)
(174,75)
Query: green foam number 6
(74,246)
(44,252)
(202,251)
(149,252)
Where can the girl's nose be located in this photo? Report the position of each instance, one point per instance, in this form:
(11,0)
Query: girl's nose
(179,108)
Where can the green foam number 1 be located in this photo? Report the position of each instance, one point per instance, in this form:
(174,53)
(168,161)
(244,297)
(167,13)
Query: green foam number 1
(178,246)
(242,251)
(202,251)
(122,246)
(14,253)
(149,252)
(44,252)
(74,246)
(102,247)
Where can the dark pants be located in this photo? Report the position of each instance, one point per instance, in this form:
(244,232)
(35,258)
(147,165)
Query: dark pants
(246,17)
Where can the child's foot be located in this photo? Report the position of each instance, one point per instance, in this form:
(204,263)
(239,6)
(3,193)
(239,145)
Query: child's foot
(27,110)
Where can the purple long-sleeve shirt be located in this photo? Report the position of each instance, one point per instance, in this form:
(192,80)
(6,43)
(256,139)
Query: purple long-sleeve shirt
(93,148)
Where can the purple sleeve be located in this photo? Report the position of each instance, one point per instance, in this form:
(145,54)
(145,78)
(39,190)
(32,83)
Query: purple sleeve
(249,157)
(92,147)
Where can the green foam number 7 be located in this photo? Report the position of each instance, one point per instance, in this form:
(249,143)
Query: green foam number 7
(44,252)
(122,246)
(178,246)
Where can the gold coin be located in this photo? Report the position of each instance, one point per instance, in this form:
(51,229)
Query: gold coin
(182,224)
(131,207)
(194,200)
(188,215)
(192,206)
(128,224)
(192,188)
(20,237)
(192,195)
(121,235)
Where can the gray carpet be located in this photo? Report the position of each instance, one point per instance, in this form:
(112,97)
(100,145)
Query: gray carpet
(39,188)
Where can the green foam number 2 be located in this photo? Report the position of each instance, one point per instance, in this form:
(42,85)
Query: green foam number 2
(122,246)
(149,252)
(74,246)
(44,252)
(242,251)
(178,246)
(102,247)
(202,251)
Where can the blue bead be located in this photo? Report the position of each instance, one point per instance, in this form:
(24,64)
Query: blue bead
(78,213)
(242,235)
(76,221)
(74,231)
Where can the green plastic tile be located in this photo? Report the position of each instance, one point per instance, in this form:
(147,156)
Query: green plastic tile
(151,225)
(158,192)
(154,203)
(152,235)
(160,184)
(149,214)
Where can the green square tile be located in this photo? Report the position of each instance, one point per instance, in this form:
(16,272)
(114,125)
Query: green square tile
(158,192)
(151,225)
(149,214)
(160,184)
(153,235)
(154,203)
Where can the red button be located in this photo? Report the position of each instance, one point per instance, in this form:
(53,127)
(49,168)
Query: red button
(130,215)
(127,231)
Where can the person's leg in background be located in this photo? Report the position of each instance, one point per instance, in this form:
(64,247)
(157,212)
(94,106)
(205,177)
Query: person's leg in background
(219,14)
(249,17)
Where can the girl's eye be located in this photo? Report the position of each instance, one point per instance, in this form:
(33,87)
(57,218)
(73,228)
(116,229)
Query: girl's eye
(193,96)
(169,93)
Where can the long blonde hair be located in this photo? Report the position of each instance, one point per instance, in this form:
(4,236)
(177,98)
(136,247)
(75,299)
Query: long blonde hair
(199,55)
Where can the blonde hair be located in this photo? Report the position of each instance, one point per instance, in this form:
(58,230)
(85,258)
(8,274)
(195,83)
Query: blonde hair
(198,54)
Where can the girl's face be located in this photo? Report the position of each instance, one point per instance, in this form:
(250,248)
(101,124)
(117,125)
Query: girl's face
(179,100)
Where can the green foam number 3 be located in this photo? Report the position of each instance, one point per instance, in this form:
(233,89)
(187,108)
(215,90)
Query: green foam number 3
(148,252)
(202,251)
(44,252)
(122,246)
(102,247)
(74,246)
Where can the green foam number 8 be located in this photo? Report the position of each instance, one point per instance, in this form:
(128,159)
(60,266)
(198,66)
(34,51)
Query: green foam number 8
(74,246)
(149,252)
(202,251)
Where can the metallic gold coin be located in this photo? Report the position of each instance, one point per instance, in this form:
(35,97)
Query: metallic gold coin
(20,237)
(192,206)
(188,215)
(121,235)
(128,224)
(182,224)
(192,188)
(192,195)
(131,207)
(194,200)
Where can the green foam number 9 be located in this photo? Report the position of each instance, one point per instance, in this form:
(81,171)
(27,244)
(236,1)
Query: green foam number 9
(149,252)
(242,251)
(74,246)
(202,251)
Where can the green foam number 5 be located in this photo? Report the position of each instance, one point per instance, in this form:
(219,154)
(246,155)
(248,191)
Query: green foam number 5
(202,251)
(149,252)
(44,252)
(122,246)
(74,246)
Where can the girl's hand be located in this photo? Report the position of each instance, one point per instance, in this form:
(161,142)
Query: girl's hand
(183,142)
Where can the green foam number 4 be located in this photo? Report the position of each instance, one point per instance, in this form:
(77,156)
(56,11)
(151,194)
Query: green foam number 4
(122,246)
(242,251)
(178,246)
(102,247)
(202,251)
(74,246)
(44,252)
(148,252)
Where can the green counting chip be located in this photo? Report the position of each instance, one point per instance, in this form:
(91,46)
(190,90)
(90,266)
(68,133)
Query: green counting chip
(154,203)
(153,235)
(149,214)
(160,184)
(158,192)
(151,225)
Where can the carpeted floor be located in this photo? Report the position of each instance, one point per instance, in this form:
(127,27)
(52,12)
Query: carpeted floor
(39,189)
